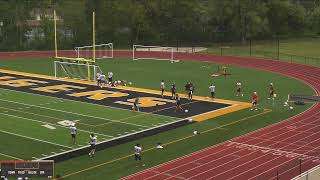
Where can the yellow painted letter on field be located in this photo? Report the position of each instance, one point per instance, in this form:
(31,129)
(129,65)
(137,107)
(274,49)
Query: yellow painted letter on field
(99,94)
(58,88)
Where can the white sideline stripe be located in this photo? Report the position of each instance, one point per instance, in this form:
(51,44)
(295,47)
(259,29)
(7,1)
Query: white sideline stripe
(63,100)
(72,113)
(42,122)
(10,156)
(27,137)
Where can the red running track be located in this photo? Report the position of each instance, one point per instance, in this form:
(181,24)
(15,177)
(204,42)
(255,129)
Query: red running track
(279,151)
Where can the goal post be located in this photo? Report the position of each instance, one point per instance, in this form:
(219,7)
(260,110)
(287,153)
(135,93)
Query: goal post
(153,52)
(75,70)
(102,51)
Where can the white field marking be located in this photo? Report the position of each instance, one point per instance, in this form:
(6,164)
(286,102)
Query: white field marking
(44,155)
(73,113)
(42,122)
(274,150)
(27,137)
(10,156)
(63,100)
(45,116)
(49,126)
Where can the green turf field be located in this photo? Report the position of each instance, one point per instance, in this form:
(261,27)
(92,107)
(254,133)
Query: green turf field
(300,50)
(22,115)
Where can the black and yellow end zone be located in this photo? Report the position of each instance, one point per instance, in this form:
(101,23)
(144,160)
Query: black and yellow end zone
(199,109)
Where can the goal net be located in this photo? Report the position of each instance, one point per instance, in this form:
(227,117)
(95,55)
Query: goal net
(102,51)
(153,52)
(75,70)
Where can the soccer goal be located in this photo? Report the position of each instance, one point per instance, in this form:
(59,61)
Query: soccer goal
(153,52)
(102,51)
(76,70)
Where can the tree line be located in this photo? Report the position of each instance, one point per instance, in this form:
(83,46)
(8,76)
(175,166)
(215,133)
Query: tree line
(153,22)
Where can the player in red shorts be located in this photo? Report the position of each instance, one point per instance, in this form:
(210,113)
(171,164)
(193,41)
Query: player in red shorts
(254,101)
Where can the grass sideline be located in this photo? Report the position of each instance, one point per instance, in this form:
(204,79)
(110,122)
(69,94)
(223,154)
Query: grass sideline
(253,80)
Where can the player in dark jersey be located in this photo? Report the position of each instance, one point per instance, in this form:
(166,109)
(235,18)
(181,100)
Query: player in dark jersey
(173,91)
(178,104)
(190,92)
(187,86)
(135,106)
(271,91)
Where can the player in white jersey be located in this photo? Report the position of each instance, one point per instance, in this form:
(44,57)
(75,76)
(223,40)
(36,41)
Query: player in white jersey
(162,87)
(110,75)
(93,142)
(137,155)
(212,89)
(239,89)
(73,132)
(103,80)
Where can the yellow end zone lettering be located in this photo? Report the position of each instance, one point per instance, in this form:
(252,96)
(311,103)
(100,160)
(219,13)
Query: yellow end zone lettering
(147,101)
(99,94)
(20,82)
(58,88)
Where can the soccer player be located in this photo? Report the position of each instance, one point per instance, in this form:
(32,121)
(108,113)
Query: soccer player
(73,132)
(254,101)
(110,75)
(178,103)
(173,91)
(187,86)
(135,106)
(212,89)
(162,87)
(137,155)
(271,91)
(93,142)
(98,79)
(102,80)
(191,89)
(239,88)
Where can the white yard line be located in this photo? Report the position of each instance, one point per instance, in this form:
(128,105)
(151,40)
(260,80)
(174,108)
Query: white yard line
(27,137)
(10,156)
(43,122)
(44,116)
(58,110)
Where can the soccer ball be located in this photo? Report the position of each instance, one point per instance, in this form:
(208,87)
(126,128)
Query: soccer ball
(290,107)
(130,83)
(186,111)
(195,132)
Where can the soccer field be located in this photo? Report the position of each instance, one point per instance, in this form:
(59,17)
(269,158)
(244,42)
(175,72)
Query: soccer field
(35,125)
